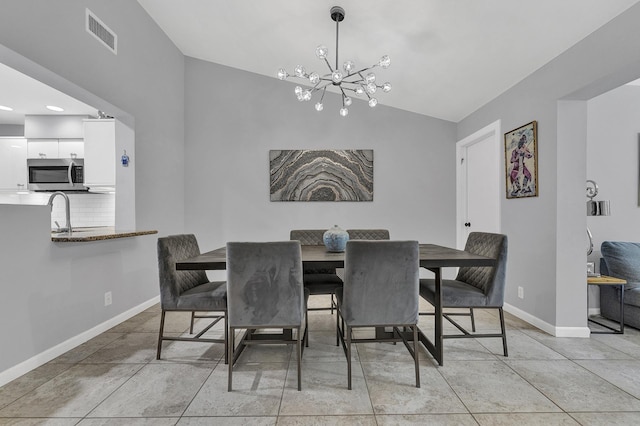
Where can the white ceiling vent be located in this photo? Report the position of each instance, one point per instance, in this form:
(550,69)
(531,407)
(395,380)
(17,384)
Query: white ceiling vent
(99,30)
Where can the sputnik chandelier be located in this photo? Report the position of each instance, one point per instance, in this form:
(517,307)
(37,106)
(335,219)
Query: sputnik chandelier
(351,80)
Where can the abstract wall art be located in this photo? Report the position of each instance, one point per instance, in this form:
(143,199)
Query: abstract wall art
(321,175)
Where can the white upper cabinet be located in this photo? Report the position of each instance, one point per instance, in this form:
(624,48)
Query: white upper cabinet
(13,164)
(54,136)
(53,126)
(42,148)
(55,148)
(100,153)
(71,148)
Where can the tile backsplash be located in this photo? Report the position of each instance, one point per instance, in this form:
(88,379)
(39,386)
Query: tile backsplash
(86,209)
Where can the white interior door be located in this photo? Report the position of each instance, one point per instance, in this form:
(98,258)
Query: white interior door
(478,182)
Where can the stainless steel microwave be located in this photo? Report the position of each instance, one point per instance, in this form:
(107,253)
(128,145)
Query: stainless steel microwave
(56,174)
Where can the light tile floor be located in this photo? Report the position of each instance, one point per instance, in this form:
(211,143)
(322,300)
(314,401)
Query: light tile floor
(114,379)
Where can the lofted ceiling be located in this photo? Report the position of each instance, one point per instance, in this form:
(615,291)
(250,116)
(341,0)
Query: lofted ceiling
(26,95)
(448,57)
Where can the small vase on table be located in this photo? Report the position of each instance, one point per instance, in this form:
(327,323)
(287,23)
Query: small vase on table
(335,239)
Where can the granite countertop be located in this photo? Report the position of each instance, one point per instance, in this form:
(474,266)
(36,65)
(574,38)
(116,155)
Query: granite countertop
(97,233)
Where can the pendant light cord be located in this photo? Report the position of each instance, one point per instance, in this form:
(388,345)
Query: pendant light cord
(337,24)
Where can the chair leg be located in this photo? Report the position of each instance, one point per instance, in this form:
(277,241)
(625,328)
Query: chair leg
(473,320)
(230,355)
(160,334)
(226,339)
(337,327)
(299,354)
(504,332)
(193,315)
(415,354)
(333,304)
(348,333)
(305,337)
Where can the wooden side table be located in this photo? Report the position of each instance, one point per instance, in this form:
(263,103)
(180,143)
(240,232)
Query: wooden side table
(609,281)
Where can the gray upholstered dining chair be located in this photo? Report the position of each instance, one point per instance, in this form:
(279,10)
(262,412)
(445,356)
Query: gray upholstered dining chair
(189,291)
(265,291)
(318,279)
(474,287)
(380,290)
(368,234)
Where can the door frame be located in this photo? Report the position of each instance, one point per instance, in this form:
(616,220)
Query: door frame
(493,131)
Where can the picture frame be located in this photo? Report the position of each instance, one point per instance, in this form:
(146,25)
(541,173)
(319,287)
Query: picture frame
(321,175)
(521,161)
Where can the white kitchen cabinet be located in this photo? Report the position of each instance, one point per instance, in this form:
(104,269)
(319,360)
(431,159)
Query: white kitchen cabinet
(55,148)
(71,148)
(42,148)
(53,126)
(13,164)
(100,154)
(105,143)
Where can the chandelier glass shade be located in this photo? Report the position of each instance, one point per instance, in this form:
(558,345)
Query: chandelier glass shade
(349,80)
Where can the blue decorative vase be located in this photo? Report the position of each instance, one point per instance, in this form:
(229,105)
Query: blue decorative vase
(335,239)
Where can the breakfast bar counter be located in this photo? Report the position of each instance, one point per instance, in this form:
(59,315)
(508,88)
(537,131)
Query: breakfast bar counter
(98,233)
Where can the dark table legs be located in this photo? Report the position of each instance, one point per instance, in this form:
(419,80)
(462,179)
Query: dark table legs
(435,347)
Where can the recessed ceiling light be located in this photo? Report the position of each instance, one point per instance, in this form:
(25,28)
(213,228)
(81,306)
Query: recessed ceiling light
(5,108)
(54,108)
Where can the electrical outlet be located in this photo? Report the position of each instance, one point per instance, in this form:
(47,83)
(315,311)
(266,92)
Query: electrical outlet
(520,292)
(107,298)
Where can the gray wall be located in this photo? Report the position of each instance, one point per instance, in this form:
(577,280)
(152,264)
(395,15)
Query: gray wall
(145,80)
(612,161)
(547,237)
(233,119)
(53,293)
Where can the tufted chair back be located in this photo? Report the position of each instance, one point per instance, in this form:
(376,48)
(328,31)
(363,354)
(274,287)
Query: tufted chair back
(489,279)
(368,234)
(312,237)
(173,283)
(308,237)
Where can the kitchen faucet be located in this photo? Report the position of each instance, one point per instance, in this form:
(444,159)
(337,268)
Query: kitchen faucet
(68,210)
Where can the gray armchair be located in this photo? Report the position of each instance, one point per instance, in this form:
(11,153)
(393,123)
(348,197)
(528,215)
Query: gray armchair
(380,290)
(265,291)
(318,279)
(188,290)
(474,287)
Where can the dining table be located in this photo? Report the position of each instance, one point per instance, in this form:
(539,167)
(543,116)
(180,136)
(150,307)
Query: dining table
(432,257)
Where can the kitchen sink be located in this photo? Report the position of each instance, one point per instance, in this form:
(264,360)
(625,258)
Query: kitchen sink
(66,233)
(78,230)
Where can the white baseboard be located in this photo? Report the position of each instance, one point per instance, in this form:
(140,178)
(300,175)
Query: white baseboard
(51,353)
(545,326)
(594,311)
(583,332)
